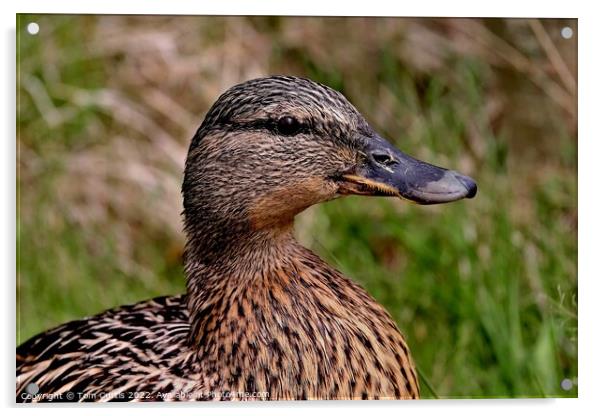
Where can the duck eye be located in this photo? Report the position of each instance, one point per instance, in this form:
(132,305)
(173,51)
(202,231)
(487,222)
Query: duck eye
(288,126)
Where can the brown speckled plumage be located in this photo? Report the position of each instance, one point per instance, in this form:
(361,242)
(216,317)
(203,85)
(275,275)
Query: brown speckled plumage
(263,317)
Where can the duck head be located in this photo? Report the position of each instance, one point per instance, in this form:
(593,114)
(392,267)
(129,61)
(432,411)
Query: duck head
(271,147)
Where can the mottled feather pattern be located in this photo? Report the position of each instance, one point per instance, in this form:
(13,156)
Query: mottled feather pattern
(294,328)
(108,356)
(263,317)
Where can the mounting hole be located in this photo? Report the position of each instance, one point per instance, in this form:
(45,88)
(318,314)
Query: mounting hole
(566,384)
(32,388)
(566,32)
(33,28)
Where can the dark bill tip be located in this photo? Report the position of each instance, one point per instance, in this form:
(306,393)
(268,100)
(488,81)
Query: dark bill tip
(450,186)
(469,184)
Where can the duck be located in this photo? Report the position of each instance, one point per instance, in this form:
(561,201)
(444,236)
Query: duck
(263,317)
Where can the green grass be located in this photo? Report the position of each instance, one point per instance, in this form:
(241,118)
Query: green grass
(485,290)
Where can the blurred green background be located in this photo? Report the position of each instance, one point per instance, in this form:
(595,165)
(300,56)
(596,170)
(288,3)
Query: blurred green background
(485,290)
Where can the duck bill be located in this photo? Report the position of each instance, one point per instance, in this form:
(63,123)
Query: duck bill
(389,172)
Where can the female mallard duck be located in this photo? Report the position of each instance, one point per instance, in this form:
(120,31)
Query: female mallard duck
(263,317)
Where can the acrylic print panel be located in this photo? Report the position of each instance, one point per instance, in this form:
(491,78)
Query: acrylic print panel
(475,298)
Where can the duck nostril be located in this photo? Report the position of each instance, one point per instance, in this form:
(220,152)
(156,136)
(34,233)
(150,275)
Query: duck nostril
(383,159)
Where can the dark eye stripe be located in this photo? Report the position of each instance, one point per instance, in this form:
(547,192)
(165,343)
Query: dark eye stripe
(270,125)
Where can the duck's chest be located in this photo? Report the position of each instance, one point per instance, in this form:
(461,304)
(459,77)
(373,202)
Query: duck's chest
(312,339)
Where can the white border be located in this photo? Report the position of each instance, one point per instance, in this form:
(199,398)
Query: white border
(462,8)
(590,92)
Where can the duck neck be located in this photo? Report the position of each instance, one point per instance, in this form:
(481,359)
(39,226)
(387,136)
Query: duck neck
(230,269)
